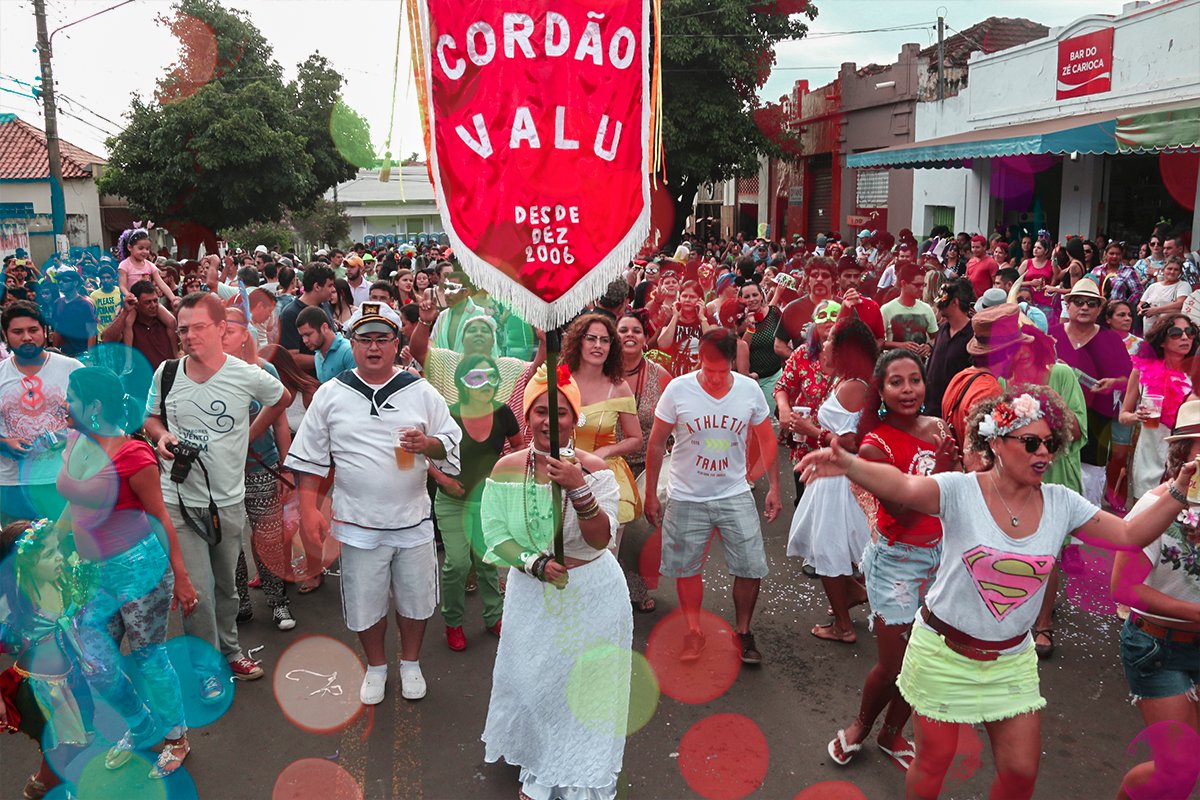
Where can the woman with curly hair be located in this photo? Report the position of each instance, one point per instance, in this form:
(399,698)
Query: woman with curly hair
(829,529)
(593,354)
(970,658)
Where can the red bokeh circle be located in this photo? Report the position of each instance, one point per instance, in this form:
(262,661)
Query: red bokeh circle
(724,757)
(831,790)
(701,681)
(315,779)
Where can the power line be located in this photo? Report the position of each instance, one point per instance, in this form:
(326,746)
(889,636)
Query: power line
(818,35)
(96,114)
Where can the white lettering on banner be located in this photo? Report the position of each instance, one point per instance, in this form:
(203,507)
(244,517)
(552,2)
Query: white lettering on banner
(550,242)
(523,130)
(561,142)
(481,144)
(518,34)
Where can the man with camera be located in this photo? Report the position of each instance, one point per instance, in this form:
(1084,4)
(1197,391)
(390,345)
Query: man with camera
(380,425)
(198,414)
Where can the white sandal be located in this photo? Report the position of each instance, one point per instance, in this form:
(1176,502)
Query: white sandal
(848,749)
(168,760)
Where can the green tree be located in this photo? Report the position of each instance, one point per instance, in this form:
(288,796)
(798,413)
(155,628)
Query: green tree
(339,139)
(716,55)
(326,222)
(225,142)
(276,236)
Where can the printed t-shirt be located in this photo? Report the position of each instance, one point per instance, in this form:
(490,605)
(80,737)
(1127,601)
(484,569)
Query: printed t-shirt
(31,406)
(107,515)
(990,585)
(1174,559)
(709,458)
(108,305)
(915,323)
(213,417)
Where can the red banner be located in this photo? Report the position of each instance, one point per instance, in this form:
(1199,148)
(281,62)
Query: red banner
(1085,64)
(538,120)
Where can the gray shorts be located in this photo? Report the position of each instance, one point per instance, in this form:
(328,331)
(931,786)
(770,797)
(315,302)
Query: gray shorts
(688,531)
(372,580)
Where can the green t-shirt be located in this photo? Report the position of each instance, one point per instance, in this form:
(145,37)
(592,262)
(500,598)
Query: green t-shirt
(915,323)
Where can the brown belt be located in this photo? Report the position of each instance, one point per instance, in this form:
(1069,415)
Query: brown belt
(965,644)
(1163,632)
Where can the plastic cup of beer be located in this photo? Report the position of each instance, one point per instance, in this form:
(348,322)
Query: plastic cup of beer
(405,459)
(1152,406)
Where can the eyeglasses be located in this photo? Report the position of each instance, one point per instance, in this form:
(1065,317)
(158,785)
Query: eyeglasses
(651,270)
(371,341)
(591,339)
(1177,332)
(1032,443)
(183,330)
(1086,302)
(479,378)
(1154,244)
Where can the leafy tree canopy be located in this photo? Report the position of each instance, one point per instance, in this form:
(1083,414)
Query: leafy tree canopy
(225,141)
(325,223)
(716,55)
(277,236)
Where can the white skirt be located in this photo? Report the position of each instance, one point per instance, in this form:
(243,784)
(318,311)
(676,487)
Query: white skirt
(1149,460)
(560,687)
(829,528)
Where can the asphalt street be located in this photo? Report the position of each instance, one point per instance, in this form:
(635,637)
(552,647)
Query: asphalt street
(750,731)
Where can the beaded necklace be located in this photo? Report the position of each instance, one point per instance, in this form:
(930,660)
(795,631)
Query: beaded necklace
(542,512)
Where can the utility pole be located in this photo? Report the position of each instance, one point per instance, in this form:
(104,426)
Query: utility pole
(58,213)
(941,58)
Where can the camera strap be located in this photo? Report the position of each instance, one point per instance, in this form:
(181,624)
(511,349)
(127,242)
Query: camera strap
(212,534)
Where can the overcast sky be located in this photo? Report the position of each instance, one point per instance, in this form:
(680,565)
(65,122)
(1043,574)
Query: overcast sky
(96,69)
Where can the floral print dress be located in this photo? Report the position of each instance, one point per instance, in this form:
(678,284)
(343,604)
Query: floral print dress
(806,385)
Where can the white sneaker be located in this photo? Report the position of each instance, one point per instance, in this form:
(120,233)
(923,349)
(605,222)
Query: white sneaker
(283,618)
(371,693)
(412,684)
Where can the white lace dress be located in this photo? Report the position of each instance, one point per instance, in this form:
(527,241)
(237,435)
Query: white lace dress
(829,528)
(560,687)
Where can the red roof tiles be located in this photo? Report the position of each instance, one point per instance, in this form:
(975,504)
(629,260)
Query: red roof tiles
(989,36)
(23,153)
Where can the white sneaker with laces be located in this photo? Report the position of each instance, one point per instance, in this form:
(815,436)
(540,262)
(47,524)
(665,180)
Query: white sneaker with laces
(412,684)
(373,684)
(284,620)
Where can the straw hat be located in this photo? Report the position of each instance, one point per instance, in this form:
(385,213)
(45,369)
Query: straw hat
(997,328)
(1187,422)
(1085,287)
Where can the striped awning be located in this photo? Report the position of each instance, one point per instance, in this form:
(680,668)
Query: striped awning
(1153,129)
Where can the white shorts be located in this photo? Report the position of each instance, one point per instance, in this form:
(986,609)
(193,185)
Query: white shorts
(372,580)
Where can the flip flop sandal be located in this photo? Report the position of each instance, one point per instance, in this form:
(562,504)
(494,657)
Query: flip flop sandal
(119,754)
(645,606)
(903,757)
(848,749)
(849,638)
(169,759)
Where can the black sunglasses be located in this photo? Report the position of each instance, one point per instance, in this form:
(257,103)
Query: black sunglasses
(1175,332)
(1085,302)
(1032,443)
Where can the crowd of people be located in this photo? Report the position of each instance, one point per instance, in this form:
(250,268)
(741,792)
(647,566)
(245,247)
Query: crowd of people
(954,410)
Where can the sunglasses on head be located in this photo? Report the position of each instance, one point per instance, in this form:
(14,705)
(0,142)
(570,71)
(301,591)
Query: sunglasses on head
(1032,443)
(1176,332)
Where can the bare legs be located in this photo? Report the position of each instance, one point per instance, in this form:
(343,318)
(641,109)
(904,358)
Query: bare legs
(691,596)
(1016,749)
(412,631)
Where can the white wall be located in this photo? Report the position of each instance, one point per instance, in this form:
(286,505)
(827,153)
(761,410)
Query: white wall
(80,197)
(1156,59)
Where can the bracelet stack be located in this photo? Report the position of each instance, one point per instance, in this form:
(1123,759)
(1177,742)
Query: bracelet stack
(586,505)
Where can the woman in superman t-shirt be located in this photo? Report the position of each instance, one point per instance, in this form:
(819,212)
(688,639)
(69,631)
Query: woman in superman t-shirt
(970,659)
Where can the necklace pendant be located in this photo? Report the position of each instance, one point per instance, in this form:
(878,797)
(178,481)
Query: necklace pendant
(1015,523)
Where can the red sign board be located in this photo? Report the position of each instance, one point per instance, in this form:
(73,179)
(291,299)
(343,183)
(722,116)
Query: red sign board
(857,220)
(1085,64)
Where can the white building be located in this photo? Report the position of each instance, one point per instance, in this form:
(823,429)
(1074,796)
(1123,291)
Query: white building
(1094,128)
(403,207)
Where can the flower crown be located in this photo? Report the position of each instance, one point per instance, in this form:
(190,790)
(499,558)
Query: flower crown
(1008,417)
(30,538)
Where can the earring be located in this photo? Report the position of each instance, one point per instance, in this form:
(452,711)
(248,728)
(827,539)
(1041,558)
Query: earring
(922,411)
(94,421)
(882,411)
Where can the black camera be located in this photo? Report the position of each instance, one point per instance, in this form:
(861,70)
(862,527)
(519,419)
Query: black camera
(185,456)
